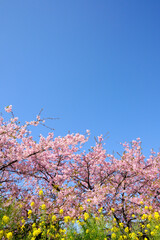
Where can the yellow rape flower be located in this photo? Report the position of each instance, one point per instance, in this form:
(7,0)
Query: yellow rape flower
(43,207)
(86,216)
(9,235)
(81,223)
(1,233)
(115,229)
(126,229)
(33,225)
(52,227)
(62,230)
(32,204)
(5,219)
(113,235)
(61,211)
(67,219)
(140,234)
(54,218)
(156,215)
(78,222)
(36,232)
(97,218)
(121,224)
(57,235)
(100,210)
(144,217)
(22,227)
(133,235)
(40,193)
(23,221)
(29,212)
(152,233)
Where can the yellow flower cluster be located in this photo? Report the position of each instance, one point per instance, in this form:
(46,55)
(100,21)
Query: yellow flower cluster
(29,213)
(32,204)
(40,193)
(5,219)
(43,207)
(54,218)
(156,216)
(9,235)
(36,232)
(146,224)
(1,233)
(67,219)
(61,211)
(86,216)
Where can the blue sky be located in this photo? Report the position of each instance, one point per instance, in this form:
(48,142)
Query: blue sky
(94,64)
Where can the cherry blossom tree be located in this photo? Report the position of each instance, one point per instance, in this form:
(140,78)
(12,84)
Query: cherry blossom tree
(71,178)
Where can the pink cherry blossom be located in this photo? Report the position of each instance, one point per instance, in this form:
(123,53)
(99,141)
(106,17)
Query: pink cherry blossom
(8,109)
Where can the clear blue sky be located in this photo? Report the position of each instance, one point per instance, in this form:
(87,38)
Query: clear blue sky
(94,64)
